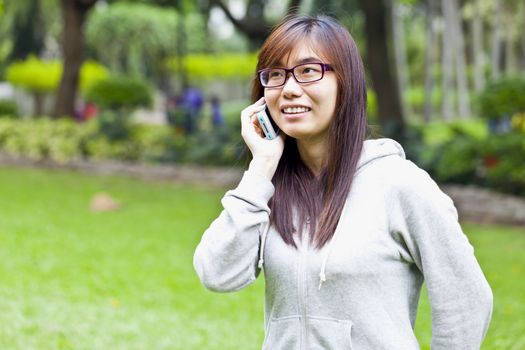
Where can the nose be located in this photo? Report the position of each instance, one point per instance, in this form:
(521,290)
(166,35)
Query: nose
(291,88)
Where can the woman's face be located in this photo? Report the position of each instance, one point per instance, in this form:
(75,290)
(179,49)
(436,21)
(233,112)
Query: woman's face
(303,111)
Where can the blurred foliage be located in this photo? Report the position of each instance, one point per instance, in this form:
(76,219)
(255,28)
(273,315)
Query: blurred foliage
(90,74)
(117,96)
(34,74)
(41,76)
(493,161)
(215,147)
(64,140)
(415,97)
(136,38)
(120,92)
(199,67)
(518,122)
(438,131)
(503,98)
(371,106)
(42,138)
(8,108)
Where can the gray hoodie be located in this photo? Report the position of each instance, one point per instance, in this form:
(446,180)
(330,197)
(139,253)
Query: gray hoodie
(361,290)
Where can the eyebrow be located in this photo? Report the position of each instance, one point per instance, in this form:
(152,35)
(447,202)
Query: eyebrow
(304,60)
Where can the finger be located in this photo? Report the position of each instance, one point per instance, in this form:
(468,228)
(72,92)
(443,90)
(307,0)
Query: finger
(259,102)
(254,108)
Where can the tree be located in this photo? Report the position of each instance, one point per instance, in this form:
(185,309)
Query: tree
(74,13)
(430,38)
(398,31)
(477,47)
(377,28)
(451,13)
(496,40)
(26,28)
(522,11)
(254,25)
(447,64)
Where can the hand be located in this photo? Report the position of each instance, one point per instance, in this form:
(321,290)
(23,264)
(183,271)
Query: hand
(266,153)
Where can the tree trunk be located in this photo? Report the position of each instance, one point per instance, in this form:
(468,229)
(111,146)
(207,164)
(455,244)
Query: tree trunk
(398,31)
(74,13)
(38,104)
(377,17)
(448,42)
(522,36)
(496,40)
(429,59)
(461,71)
(478,53)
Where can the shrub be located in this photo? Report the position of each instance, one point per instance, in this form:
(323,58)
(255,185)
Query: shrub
(496,162)
(64,140)
(35,75)
(503,162)
(120,92)
(217,147)
(503,98)
(225,66)
(8,108)
(60,140)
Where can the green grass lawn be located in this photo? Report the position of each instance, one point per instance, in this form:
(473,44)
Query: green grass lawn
(74,279)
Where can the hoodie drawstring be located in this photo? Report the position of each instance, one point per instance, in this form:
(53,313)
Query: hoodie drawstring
(263,243)
(322,274)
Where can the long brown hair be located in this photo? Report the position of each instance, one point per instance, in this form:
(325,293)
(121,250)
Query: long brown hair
(298,193)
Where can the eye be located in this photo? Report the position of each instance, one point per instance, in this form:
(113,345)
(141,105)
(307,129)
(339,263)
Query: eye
(275,73)
(310,69)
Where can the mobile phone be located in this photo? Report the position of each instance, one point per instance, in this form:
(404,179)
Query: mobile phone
(268,125)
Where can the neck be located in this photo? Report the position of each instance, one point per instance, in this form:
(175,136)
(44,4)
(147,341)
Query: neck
(313,153)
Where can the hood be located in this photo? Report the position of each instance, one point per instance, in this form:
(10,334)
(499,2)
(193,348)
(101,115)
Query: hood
(379,148)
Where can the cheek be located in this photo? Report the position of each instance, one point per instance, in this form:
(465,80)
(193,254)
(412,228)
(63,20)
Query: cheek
(272,98)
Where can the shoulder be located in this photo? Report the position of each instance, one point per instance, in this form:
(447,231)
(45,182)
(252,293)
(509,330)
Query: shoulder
(403,180)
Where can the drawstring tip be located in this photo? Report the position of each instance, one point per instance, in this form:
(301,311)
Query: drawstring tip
(322,278)
(261,262)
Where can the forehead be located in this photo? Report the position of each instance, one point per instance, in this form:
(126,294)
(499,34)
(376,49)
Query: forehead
(302,52)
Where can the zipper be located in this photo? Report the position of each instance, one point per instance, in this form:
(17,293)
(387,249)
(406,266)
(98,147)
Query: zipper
(303,291)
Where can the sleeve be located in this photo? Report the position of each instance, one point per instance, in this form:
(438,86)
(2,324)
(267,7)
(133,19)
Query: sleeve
(226,257)
(460,296)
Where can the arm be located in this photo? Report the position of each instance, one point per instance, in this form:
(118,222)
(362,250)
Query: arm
(460,297)
(226,258)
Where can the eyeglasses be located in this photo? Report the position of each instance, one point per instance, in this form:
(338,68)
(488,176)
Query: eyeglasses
(303,73)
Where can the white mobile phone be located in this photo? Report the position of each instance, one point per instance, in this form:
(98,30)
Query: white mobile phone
(268,125)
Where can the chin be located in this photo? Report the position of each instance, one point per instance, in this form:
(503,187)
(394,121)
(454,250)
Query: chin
(298,134)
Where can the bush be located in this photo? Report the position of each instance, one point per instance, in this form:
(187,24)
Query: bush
(35,75)
(496,162)
(64,140)
(225,66)
(8,108)
(217,147)
(61,140)
(120,92)
(503,98)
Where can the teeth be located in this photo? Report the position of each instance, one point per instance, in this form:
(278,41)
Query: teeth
(292,110)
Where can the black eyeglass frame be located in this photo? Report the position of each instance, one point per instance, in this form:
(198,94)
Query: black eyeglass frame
(324,68)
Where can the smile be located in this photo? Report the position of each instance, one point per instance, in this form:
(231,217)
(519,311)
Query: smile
(295,110)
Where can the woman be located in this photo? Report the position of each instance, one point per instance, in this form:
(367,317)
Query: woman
(346,230)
